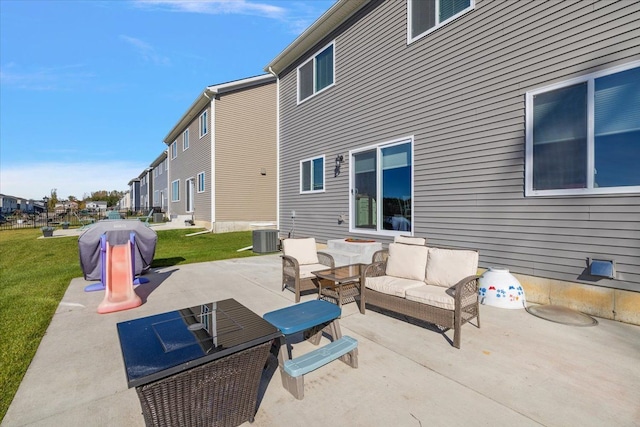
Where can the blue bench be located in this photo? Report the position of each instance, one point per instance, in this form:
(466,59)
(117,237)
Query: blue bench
(319,357)
(315,316)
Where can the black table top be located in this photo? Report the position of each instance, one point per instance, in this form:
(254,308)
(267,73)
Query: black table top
(157,346)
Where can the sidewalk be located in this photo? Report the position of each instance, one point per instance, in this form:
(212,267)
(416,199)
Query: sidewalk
(517,370)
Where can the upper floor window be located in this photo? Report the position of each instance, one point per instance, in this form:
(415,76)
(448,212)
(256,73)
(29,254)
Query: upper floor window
(174,150)
(204,124)
(312,175)
(166,165)
(582,135)
(427,15)
(185,140)
(317,73)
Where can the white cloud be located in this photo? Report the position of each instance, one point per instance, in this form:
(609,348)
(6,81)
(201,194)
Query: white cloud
(59,78)
(216,7)
(145,50)
(33,181)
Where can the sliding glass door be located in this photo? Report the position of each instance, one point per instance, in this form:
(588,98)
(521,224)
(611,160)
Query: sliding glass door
(382,190)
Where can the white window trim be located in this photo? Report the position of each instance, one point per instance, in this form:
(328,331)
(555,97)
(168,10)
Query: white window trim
(204,184)
(312,58)
(324,164)
(185,140)
(173,199)
(174,149)
(435,27)
(378,147)
(191,181)
(590,79)
(204,114)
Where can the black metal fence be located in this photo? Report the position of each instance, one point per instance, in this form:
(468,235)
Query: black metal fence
(57,220)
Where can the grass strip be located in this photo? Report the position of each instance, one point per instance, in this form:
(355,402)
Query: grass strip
(35,274)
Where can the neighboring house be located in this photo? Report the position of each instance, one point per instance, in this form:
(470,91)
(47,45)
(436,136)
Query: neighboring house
(146,190)
(8,204)
(222,157)
(124,204)
(134,195)
(65,206)
(510,127)
(159,176)
(97,205)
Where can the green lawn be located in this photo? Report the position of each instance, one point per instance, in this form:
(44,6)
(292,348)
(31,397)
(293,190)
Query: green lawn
(35,273)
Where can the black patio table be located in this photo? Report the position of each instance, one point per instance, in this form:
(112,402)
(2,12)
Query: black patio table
(199,365)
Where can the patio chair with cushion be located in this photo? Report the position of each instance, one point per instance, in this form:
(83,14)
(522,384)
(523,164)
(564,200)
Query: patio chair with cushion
(301,257)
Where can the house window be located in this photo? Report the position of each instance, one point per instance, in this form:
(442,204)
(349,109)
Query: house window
(175,190)
(204,124)
(316,74)
(155,173)
(156,195)
(185,140)
(312,175)
(382,188)
(201,186)
(174,150)
(582,135)
(427,15)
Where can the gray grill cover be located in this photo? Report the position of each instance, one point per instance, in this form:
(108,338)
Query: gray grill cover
(117,234)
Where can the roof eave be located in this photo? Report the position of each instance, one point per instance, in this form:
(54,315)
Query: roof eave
(329,21)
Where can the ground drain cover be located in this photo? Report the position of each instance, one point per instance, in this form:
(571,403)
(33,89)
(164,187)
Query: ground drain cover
(564,315)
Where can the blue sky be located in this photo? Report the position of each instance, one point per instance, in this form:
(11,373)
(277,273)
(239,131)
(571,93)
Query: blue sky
(88,89)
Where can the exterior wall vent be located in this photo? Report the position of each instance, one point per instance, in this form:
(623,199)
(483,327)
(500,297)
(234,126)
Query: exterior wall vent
(265,241)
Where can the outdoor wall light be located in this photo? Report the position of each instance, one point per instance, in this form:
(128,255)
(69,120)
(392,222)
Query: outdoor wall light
(602,268)
(339,160)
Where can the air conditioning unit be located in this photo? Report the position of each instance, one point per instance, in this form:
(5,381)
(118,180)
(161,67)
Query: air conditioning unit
(265,241)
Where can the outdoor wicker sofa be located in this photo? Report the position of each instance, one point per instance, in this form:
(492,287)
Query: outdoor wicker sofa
(300,257)
(435,285)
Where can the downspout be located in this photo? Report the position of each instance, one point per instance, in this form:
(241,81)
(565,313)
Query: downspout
(277,148)
(212,178)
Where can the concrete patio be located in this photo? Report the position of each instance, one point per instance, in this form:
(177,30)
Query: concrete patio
(516,370)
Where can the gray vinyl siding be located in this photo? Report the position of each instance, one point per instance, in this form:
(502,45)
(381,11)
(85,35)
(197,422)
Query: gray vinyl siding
(188,164)
(161,185)
(460,92)
(246,143)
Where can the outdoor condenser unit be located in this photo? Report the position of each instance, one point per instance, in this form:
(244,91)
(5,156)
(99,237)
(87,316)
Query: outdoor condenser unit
(265,241)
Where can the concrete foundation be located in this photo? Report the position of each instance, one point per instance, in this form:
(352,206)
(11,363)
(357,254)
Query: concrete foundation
(608,303)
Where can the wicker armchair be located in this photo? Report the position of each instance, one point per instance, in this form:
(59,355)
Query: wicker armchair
(300,258)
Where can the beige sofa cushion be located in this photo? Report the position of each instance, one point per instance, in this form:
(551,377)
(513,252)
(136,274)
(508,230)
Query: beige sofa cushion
(392,285)
(409,240)
(306,270)
(303,250)
(407,261)
(446,267)
(436,296)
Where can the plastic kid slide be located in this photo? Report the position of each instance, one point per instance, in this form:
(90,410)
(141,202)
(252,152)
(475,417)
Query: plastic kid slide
(119,293)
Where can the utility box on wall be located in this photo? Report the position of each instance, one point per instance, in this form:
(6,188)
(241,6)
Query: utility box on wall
(265,241)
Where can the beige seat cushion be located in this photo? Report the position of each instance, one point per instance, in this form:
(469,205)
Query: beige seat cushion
(446,267)
(407,261)
(392,285)
(436,296)
(409,240)
(306,269)
(303,250)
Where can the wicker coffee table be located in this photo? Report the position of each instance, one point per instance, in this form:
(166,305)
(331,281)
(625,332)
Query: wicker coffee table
(341,284)
(199,365)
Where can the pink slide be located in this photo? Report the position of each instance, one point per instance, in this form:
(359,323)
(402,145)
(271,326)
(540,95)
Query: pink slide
(119,294)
